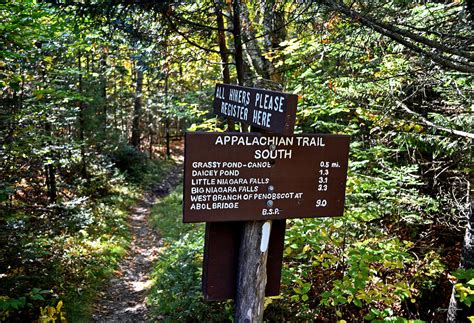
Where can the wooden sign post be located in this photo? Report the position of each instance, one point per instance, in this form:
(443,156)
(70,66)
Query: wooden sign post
(252,274)
(274,112)
(244,186)
(270,111)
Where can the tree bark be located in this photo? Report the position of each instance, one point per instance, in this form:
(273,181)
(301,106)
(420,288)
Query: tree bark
(151,133)
(254,53)
(82,119)
(167,119)
(114,96)
(222,42)
(168,139)
(457,311)
(50,169)
(274,31)
(137,110)
(252,274)
(223,53)
(103,86)
(238,55)
(252,271)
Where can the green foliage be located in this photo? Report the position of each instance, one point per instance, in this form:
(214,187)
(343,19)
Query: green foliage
(390,192)
(52,314)
(210,124)
(166,216)
(69,260)
(137,167)
(464,285)
(379,275)
(377,279)
(130,161)
(374,262)
(66,251)
(69,88)
(8,305)
(176,292)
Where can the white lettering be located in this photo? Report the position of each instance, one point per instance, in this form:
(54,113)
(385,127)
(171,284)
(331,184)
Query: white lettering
(273,154)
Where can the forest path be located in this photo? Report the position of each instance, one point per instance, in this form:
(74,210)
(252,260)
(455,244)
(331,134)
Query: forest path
(123,299)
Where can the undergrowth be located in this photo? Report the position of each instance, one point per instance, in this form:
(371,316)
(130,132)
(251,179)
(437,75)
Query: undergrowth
(176,292)
(334,268)
(54,259)
(65,260)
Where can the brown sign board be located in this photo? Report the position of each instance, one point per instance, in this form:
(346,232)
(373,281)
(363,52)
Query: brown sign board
(269,110)
(254,177)
(221,256)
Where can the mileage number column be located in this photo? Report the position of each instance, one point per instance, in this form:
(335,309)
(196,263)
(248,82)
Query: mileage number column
(323,182)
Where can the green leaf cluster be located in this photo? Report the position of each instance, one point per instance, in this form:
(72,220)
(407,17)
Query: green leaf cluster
(176,293)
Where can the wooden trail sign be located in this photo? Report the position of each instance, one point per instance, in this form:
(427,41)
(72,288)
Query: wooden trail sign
(268,110)
(257,181)
(273,112)
(255,177)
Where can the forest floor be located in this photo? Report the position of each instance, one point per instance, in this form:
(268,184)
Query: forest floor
(123,298)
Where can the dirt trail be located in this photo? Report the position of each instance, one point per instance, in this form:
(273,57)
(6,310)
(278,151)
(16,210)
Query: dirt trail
(123,299)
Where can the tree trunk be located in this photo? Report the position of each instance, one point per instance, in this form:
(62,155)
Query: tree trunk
(151,133)
(167,119)
(240,65)
(168,146)
(258,62)
(50,169)
(221,41)
(82,120)
(457,311)
(274,33)
(50,172)
(239,58)
(252,272)
(114,96)
(137,110)
(103,86)
(223,53)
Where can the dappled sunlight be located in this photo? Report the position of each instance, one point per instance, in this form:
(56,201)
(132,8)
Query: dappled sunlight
(125,295)
(98,97)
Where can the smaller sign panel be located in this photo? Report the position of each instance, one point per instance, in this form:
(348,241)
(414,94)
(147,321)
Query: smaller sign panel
(254,177)
(268,110)
(221,257)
